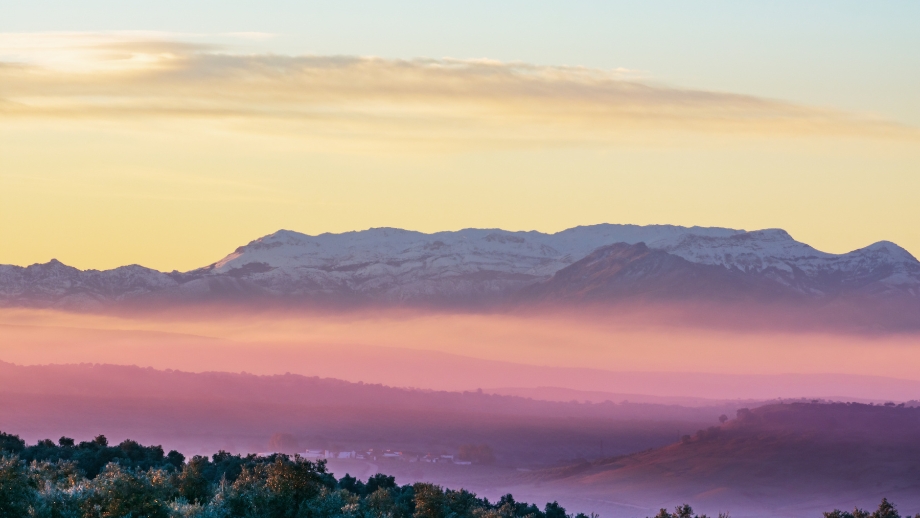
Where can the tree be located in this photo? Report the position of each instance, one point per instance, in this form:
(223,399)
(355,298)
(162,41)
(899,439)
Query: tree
(681,511)
(278,489)
(191,482)
(429,501)
(17,492)
(118,492)
(11,443)
(885,509)
(351,484)
(461,502)
(554,510)
(379,481)
(381,504)
(175,458)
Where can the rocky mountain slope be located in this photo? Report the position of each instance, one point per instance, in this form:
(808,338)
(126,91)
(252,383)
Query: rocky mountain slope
(477,266)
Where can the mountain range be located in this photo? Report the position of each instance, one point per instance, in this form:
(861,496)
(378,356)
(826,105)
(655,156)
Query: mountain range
(472,267)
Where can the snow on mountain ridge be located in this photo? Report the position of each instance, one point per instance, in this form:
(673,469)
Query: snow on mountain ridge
(749,251)
(283,247)
(68,286)
(774,249)
(404,264)
(469,265)
(401,264)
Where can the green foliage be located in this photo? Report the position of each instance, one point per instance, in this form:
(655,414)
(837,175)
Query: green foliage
(430,501)
(94,480)
(11,444)
(191,483)
(885,510)
(92,456)
(118,492)
(684,511)
(279,488)
(17,491)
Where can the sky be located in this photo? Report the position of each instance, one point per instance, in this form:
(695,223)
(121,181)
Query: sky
(168,133)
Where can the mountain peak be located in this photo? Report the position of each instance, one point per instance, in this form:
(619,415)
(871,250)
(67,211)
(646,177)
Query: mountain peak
(52,265)
(769,234)
(890,249)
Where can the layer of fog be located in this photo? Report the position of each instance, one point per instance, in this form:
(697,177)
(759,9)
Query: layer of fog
(625,355)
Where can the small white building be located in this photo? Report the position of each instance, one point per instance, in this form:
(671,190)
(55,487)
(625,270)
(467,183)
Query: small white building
(313,454)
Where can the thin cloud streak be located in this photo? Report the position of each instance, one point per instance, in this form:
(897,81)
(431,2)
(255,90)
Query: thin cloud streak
(128,76)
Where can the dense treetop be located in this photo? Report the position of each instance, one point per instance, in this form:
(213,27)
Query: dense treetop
(95,480)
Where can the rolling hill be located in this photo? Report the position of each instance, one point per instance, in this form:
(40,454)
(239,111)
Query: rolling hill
(792,459)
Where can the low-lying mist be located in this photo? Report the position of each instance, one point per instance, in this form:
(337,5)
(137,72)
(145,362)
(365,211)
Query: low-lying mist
(650,350)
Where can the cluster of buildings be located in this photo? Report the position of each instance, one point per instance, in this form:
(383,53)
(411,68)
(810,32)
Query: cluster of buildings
(382,455)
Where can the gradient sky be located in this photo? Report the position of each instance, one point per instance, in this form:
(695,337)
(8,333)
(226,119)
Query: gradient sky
(168,133)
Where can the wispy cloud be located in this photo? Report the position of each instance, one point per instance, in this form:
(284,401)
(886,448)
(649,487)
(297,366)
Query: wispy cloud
(142,75)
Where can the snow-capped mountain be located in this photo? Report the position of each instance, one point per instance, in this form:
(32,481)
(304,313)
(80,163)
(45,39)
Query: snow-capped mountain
(56,284)
(623,271)
(881,267)
(401,265)
(387,265)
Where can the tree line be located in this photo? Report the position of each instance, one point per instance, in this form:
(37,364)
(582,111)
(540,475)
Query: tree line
(885,509)
(93,479)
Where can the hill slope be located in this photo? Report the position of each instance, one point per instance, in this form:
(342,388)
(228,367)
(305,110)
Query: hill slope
(204,412)
(779,460)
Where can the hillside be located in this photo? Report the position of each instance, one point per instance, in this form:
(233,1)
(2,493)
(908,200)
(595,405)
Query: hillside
(204,412)
(780,460)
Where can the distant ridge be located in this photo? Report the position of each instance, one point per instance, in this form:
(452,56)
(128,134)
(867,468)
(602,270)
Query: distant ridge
(475,267)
